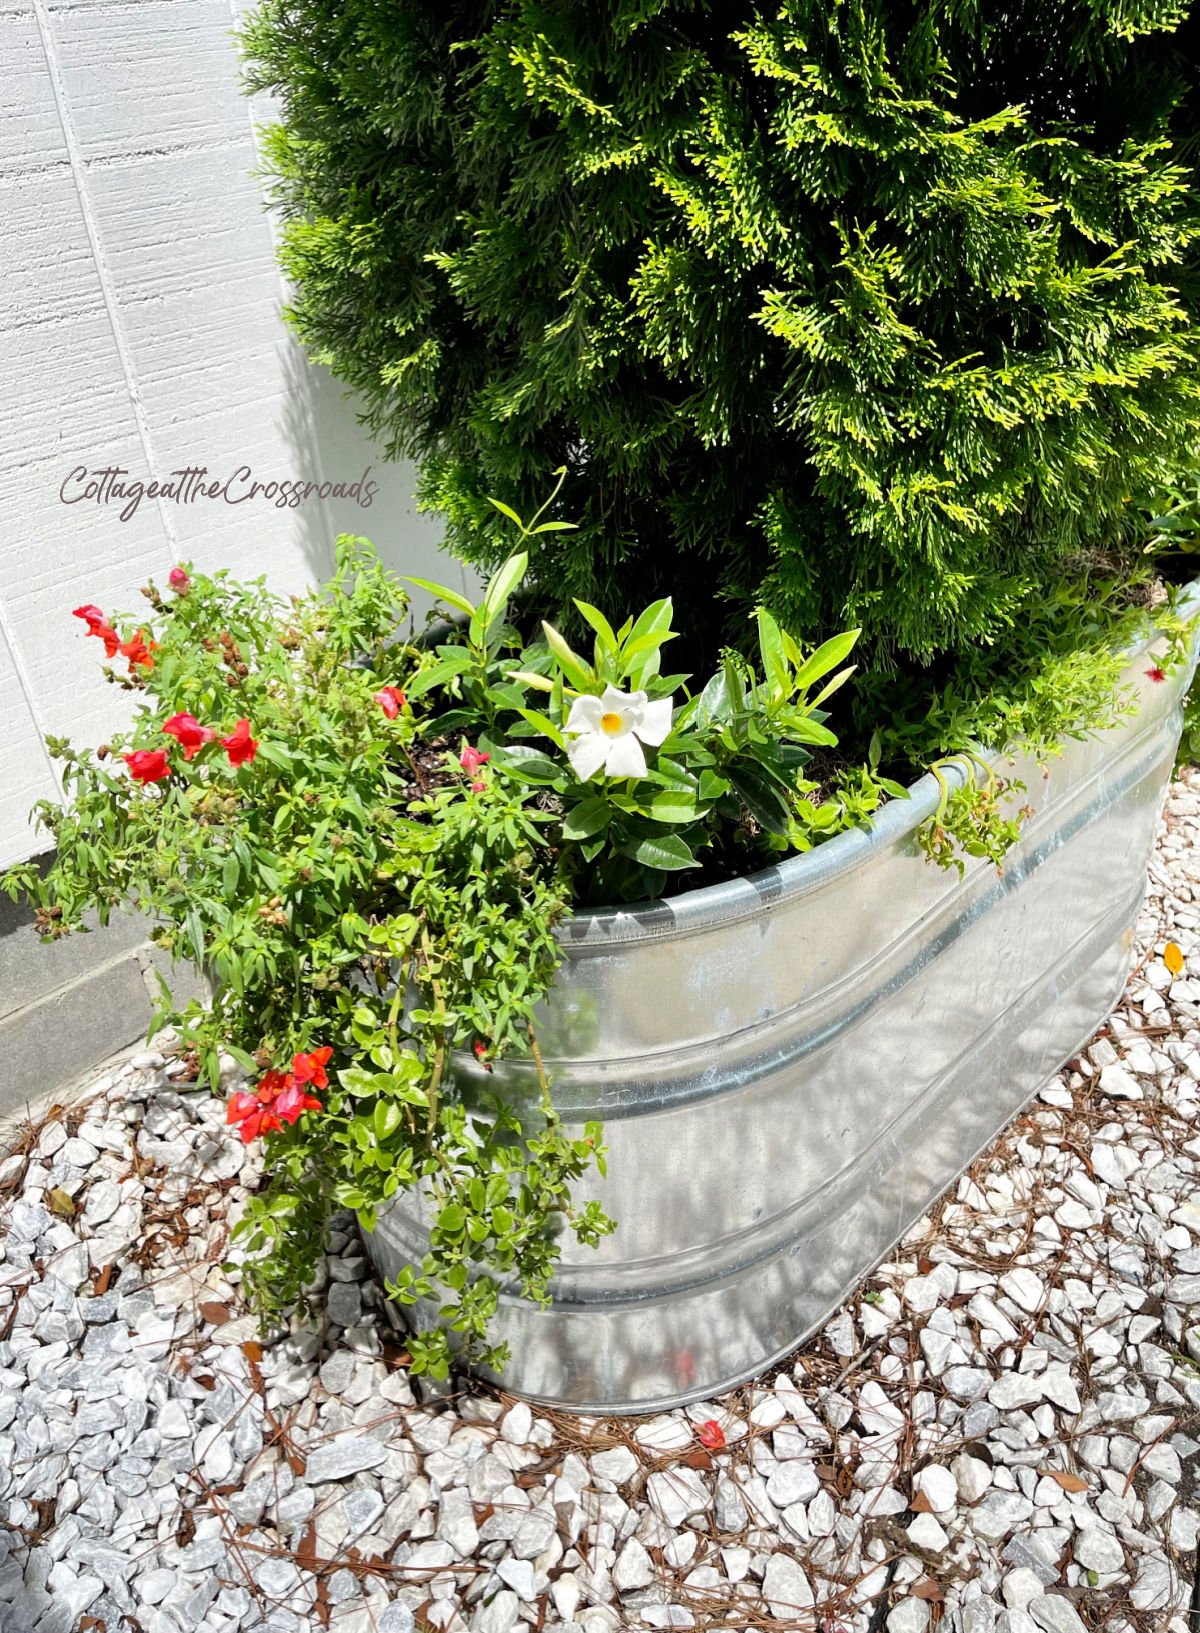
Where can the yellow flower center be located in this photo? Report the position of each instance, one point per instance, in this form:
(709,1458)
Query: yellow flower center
(611,723)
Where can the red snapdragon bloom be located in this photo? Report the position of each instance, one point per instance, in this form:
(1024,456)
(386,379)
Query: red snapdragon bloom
(310,1068)
(98,625)
(255,1119)
(147,765)
(279,1099)
(291,1101)
(711,1435)
(189,733)
(255,1112)
(471,759)
(138,650)
(390,700)
(1156,674)
(179,581)
(239,745)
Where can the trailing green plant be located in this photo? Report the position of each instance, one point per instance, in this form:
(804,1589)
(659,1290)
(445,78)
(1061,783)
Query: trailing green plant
(972,816)
(365,910)
(876,315)
(1060,677)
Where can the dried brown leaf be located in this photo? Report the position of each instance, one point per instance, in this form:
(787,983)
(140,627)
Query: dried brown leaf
(1068,1481)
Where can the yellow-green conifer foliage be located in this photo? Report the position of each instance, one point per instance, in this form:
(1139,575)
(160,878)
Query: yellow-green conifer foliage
(867,309)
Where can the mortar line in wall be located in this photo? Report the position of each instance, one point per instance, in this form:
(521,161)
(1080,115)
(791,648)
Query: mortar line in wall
(235,12)
(95,242)
(74,984)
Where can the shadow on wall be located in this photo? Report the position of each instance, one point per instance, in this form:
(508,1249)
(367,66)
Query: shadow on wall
(321,427)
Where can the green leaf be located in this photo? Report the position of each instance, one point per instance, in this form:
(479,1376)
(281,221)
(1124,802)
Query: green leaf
(589,817)
(598,622)
(831,686)
(450,597)
(672,805)
(713,702)
(194,932)
(502,586)
(439,673)
(388,1118)
(667,852)
(759,793)
(805,730)
(573,666)
(656,616)
(770,645)
(277,755)
(649,642)
(712,786)
(545,725)
(505,510)
(827,656)
(528,764)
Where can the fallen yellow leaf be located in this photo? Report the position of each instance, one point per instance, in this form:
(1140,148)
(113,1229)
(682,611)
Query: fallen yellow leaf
(1173,957)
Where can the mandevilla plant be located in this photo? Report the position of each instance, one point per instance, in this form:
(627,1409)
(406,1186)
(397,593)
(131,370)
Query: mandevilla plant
(643,786)
(368,843)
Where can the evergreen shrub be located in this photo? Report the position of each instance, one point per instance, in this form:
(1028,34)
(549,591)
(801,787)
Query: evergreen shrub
(875,312)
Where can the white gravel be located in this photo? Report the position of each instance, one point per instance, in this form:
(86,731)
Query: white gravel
(997,1434)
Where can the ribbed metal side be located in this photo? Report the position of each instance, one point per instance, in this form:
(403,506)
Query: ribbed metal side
(790,1068)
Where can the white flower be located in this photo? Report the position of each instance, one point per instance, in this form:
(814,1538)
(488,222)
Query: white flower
(609,732)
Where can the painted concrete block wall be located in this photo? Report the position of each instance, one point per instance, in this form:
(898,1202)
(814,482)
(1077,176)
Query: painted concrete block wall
(140,326)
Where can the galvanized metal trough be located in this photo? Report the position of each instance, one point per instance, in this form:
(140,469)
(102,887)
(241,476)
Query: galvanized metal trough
(791,1067)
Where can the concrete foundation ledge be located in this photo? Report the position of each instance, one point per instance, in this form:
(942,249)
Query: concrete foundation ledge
(67,1006)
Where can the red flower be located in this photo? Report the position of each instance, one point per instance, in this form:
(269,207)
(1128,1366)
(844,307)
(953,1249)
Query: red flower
(471,759)
(278,1100)
(292,1101)
(480,1051)
(138,650)
(179,581)
(390,700)
(239,745)
(256,1112)
(147,765)
(1157,675)
(96,625)
(311,1068)
(711,1435)
(189,733)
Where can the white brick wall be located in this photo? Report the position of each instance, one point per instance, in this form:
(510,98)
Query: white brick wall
(139,325)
